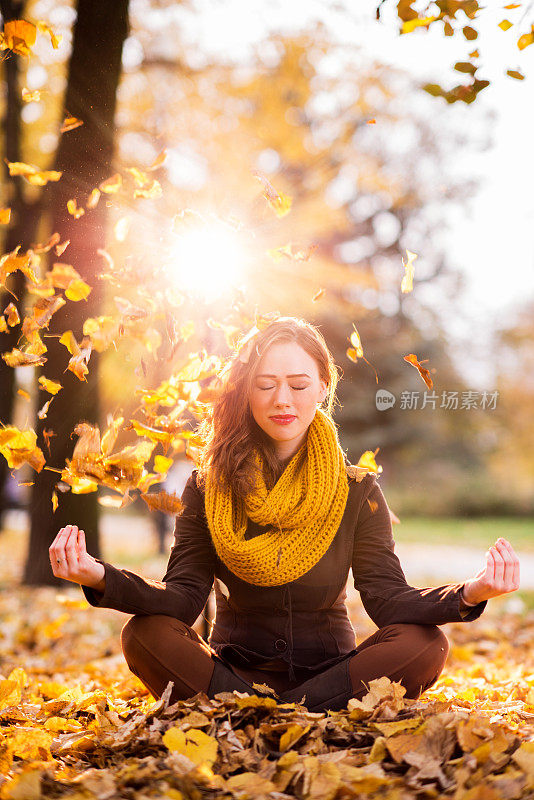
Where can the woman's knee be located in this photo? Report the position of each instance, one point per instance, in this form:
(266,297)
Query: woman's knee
(147,631)
(430,648)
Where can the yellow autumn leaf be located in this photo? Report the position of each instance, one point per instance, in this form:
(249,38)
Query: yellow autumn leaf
(33,174)
(111,185)
(411,24)
(78,289)
(69,340)
(48,385)
(291,736)
(194,744)
(74,211)
(162,464)
(526,39)
(5,216)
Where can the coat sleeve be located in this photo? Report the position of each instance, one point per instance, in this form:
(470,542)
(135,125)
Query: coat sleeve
(185,587)
(380,580)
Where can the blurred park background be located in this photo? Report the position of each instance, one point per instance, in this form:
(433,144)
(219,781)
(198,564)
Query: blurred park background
(326,103)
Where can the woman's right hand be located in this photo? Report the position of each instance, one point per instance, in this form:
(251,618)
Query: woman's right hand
(71,561)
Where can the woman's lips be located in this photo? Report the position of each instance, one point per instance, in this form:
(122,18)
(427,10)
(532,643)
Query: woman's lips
(283,420)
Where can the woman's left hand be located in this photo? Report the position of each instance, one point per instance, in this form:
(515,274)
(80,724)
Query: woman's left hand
(500,575)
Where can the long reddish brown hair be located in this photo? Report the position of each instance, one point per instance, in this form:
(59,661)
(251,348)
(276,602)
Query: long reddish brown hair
(229,431)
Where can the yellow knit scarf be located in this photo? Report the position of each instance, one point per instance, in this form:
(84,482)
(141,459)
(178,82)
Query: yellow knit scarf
(304,507)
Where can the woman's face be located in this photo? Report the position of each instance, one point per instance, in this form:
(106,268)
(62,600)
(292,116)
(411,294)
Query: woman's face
(286,384)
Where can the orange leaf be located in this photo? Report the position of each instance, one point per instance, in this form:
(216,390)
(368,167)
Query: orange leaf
(424,373)
(163,501)
(5,216)
(92,200)
(111,185)
(33,174)
(74,211)
(19,36)
(18,358)
(70,123)
(49,386)
(12,315)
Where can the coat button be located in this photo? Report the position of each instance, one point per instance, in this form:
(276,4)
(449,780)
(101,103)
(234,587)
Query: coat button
(280,644)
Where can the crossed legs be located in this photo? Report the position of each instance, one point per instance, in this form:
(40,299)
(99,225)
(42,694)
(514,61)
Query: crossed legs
(159,649)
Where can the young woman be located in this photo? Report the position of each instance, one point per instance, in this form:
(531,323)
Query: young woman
(277,516)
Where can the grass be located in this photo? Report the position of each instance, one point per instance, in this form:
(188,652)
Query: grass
(477,532)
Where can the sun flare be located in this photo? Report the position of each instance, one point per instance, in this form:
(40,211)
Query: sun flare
(207,261)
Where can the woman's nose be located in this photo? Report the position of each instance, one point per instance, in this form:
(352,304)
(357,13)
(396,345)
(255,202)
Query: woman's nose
(282,395)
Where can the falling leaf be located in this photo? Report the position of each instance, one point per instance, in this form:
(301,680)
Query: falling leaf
(19,358)
(73,209)
(31,97)
(513,73)
(292,252)
(280,203)
(111,185)
(77,290)
(33,174)
(60,248)
(163,501)
(54,501)
(505,24)
(69,124)
(412,24)
(121,228)
(92,200)
(19,447)
(12,315)
(318,295)
(411,358)
(42,413)
(19,36)
(371,121)
(407,280)
(5,216)
(152,190)
(158,162)
(526,39)
(23,393)
(54,38)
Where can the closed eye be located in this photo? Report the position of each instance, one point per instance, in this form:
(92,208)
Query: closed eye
(297,388)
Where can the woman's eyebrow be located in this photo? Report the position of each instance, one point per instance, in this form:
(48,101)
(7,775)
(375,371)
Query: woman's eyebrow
(297,375)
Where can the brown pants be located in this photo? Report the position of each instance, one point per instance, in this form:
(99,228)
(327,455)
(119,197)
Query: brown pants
(159,649)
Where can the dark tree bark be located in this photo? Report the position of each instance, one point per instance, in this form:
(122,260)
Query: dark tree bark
(85,157)
(22,229)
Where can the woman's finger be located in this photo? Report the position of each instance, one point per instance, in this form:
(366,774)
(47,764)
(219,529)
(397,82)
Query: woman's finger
(61,553)
(56,548)
(514,563)
(490,567)
(499,567)
(71,550)
(81,544)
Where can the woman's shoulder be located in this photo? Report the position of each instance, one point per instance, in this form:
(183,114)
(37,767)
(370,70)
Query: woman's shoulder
(361,479)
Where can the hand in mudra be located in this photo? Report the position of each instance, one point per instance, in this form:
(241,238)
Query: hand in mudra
(71,561)
(499,576)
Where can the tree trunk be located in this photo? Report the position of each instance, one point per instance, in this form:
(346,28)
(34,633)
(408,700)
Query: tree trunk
(85,156)
(21,231)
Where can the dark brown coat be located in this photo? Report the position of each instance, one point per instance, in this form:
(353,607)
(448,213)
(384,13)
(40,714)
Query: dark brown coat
(304,622)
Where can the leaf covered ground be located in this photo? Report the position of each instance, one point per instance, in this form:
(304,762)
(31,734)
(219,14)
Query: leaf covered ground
(76,723)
